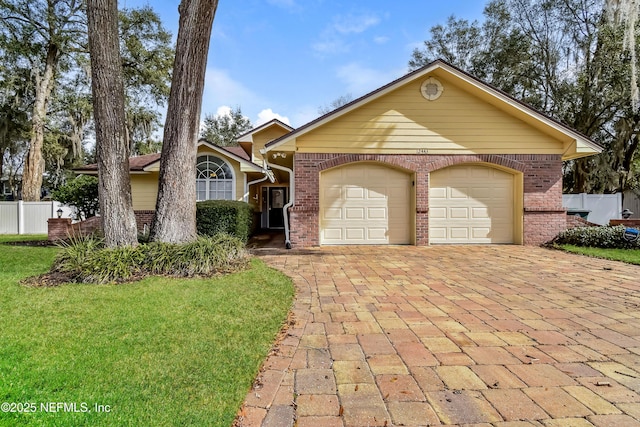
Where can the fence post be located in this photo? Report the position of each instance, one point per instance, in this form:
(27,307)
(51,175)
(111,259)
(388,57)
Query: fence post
(20,217)
(583,201)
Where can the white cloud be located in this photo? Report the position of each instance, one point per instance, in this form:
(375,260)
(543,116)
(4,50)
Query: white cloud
(267,114)
(360,80)
(331,46)
(332,39)
(221,89)
(354,23)
(381,39)
(223,110)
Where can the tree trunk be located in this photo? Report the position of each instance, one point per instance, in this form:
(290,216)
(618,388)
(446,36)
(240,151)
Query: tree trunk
(112,150)
(34,165)
(175,219)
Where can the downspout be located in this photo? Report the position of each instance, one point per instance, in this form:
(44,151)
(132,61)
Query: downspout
(250,183)
(292,187)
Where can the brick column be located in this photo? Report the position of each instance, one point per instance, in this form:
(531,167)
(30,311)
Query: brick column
(58,229)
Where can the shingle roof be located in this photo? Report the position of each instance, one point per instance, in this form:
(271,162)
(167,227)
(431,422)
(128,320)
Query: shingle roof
(139,163)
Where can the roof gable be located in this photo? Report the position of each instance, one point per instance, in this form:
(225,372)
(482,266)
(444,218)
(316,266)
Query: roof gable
(469,117)
(273,123)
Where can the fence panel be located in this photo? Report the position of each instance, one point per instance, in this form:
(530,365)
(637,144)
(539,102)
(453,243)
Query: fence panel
(603,207)
(8,217)
(36,215)
(29,217)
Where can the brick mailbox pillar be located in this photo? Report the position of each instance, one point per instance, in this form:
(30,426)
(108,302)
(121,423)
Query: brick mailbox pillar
(58,228)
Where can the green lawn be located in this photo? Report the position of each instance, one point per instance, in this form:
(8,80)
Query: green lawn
(631,256)
(159,352)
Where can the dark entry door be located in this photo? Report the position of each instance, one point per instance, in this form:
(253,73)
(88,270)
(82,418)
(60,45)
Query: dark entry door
(277,199)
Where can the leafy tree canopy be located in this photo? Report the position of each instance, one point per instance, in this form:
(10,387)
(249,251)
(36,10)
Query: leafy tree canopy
(224,128)
(81,194)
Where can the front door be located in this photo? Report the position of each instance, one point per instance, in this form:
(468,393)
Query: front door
(276,199)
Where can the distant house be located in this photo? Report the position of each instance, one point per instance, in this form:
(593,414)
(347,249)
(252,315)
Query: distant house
(434,157)
(9,191)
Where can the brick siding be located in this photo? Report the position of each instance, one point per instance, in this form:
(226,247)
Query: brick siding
(62,229)
(544,216)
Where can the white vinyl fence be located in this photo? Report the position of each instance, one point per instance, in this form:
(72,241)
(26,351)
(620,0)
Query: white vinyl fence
(29,217)
(603,207)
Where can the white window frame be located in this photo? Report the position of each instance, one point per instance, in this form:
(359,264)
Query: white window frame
(220,161)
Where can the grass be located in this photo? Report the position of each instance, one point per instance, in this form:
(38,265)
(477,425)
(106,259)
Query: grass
(161,352)
(631,256)
(21,237)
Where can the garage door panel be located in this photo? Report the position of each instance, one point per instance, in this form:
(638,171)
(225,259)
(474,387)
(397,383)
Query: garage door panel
(477,206)
(459,233)
(481,233)
(483,193)
(377,234)
(438,193)
(332,234)
(377,213)
(354,213)
(459,213)
(437,213)
(479,173)
(354,193)
(459,193)
(373,201)
(355,234)
(376,193)
(332,213)
(480,213)
(353,174)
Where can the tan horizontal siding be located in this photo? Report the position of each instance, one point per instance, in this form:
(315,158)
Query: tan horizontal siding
(144,191)
(403,122)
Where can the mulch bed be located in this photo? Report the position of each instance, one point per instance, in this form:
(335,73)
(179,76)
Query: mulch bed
(48,280)
(40,243)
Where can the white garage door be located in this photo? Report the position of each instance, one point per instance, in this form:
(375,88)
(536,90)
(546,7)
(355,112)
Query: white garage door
(471,204)
(364,203)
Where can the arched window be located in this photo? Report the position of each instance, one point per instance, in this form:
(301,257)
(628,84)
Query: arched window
(214,179)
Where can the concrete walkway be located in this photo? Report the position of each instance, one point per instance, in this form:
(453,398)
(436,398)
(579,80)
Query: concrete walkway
(503,336)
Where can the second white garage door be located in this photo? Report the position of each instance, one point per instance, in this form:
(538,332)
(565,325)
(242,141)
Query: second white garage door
(364,203)
(471,204)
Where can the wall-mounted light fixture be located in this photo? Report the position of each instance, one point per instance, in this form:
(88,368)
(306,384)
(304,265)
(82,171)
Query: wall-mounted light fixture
(279,154)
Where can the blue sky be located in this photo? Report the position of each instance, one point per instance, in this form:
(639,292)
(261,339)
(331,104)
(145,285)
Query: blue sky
(287,58)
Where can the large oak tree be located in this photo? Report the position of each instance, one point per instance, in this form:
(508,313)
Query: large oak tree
(175,219)
(112,147)
(38,35)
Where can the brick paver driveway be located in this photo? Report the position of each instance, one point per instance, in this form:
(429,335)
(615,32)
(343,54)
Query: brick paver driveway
(453,335)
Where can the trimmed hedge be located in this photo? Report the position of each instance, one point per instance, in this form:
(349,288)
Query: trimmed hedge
(605,237)
(224,216)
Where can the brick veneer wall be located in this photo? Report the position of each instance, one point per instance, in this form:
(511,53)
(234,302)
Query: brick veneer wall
(62,229)
(144,220)
(544,216)
(574,221)
(626,222)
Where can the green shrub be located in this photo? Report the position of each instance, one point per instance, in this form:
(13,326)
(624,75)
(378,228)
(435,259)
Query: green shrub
(75,251)
(88,261)
(224,216)
(205,256)
(597,237)
(81,194)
